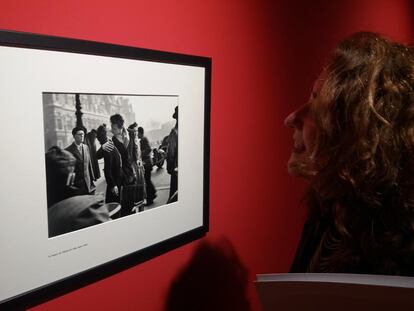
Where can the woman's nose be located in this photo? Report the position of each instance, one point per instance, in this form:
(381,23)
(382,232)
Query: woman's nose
(290,120)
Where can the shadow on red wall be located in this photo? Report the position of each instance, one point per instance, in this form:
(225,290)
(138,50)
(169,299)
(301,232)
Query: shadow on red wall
(214,279)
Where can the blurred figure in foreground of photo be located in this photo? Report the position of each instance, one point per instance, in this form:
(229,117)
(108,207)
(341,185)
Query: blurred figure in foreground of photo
(67,211)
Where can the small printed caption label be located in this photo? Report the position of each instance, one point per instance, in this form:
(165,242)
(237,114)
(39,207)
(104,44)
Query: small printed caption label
(67,250)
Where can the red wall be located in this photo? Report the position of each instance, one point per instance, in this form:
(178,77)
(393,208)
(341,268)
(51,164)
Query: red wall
(265,56)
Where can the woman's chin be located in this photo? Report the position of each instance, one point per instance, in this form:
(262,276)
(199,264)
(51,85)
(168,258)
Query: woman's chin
(297,166)
(294,168)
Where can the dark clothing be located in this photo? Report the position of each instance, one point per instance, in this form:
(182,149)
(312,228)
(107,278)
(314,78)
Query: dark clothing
(75,213)
(127,174)
(172,151)
(173,188)
(113,174)
(128,177)
(127,170)
(146,158)
(134,151)
(172,163)
(83,169)
(339,254)
(90,141)
(311,236)
(59,192)
(150,189)
(145,151)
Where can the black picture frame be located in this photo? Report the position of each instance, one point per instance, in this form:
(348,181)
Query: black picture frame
(12,43)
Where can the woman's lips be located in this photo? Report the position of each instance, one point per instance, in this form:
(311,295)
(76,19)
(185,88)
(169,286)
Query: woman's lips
(298,148)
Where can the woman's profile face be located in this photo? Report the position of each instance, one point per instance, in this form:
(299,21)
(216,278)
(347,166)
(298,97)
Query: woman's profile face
(304,135)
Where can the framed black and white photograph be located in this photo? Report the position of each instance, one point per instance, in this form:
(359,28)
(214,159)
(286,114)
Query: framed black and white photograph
(105,162)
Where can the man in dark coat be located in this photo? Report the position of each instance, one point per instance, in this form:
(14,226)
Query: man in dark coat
(112,169)
(120,141)
(84,176)
(172,159)
(146,159)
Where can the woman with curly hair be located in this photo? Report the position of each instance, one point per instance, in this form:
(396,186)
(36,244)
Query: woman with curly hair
(354,143)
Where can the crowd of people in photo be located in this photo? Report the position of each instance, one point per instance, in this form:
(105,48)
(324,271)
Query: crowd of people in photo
(71,174)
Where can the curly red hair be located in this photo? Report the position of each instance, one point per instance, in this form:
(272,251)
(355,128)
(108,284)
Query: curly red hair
(363,161)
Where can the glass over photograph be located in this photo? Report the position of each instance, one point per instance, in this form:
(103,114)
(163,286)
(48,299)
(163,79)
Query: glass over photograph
(108,156)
